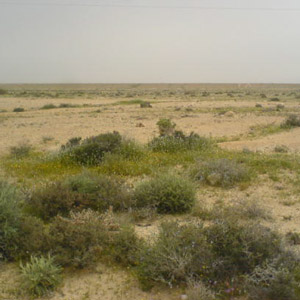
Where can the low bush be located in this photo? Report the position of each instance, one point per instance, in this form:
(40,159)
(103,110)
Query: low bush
(3,92)
(275,99)
(10,215)
(80,192)
(20,151)
(40,275)
(198,291)
(291,121)
(179,142)
(281,149)
(79,240)
(179,254)
(167,193)
(18,109)
(166,127)
(72,142)
(221,172)
(48,106)
(240,247)
(273,282)
(91,150)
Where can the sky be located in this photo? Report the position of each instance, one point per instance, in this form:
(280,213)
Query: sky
(149,41)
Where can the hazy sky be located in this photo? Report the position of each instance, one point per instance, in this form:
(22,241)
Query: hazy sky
(105,41)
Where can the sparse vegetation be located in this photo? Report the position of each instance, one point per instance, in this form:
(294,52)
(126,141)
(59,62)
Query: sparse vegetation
(18,109)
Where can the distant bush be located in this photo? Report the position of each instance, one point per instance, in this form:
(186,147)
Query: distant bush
(20,151)
(263,96)
(10,215)
(18,109)
(275,99)
(281,149)
(78,241)
(291,121)
(145,104)
(91,150)
(222,172)
(48,106)
(41,275)
(66,105)
(166,127)
(72,142)
(79,192)
(179,142)
(3,92)
(167,193)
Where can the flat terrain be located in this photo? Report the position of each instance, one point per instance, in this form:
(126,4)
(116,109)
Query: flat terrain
(239,118)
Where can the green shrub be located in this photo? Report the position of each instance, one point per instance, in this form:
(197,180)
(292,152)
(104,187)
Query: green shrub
(291,121)
(51,200)
(275,99)
(131,150)
(240,247)
(145,104)
(166,127)
(221,172)
(92,149)
(20,151)
(18,109)
(167,193)
(80,240)
(179,254)
(10,215)
(41,275)
(281,149)
(99,192)
(80,192)
(125,245)
(179,142)
(72,142)
(48,106)
(3,92)
(272,282)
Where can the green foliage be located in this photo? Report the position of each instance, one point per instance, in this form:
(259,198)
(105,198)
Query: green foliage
(21,150)
(273,282)
(78,192)
(179,254)
(291,121)
(221,172)
(3,92)
(18,109)
(72,142)
(10,214)
(48,106)
(179,142)
(166,127)
(79,240)
(240,247)
(167,193)
(40,275)
(92,149)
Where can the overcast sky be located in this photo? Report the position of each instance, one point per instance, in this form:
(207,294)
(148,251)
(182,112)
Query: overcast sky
(108,42)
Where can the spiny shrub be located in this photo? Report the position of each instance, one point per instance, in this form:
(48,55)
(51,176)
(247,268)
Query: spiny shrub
(221,172)
(167,193)
(18,109)
(179,142)
(20,151)
(272,281)
(40,275)
(10,215)
(79,240)
(179,254)
(91,150)
(291,121)
(79,192)
(240,247)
